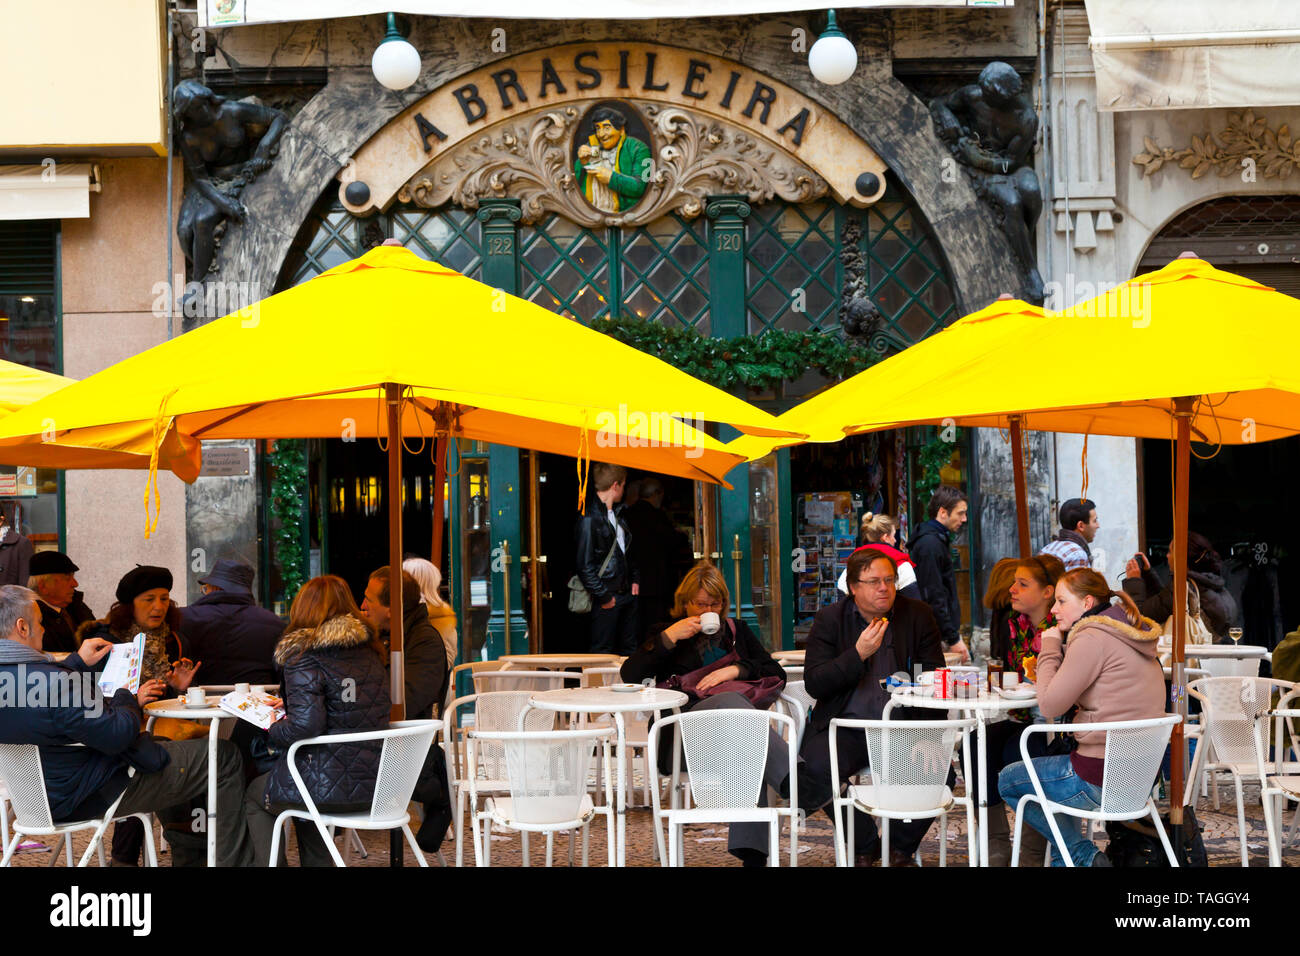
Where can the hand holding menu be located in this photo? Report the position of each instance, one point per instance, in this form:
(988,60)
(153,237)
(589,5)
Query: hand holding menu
(261,710)
(123,667)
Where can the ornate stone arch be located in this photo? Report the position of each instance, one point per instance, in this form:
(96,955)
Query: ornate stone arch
(353,108)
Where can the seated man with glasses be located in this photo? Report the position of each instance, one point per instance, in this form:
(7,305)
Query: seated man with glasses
(854,645)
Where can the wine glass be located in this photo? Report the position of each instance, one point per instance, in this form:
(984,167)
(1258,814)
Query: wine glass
(1235,633)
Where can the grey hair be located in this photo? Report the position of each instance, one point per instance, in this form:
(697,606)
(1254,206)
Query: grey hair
(16,603)
(38,581)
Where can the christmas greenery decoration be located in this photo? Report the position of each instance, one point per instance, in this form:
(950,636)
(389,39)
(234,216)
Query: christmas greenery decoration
(288,465)
(932,458)
(758,362)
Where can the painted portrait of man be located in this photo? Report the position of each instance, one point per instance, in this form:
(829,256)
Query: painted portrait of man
(612,166)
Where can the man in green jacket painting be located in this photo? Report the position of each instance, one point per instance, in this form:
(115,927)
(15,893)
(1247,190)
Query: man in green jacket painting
(612,168)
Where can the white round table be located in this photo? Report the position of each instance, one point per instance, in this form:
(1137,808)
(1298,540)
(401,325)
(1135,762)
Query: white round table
(602,700)
(789,657)
(1240,651)
(175,707)
(546,662)
(982,708)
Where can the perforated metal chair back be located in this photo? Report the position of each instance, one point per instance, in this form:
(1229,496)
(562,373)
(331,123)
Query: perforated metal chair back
(400,763)
(1231,666)
(798,703)
(548,774)
(535,682)
(1133,758)
(910,763)
(20,771)
(499,711)
(1231,705)
(725,753)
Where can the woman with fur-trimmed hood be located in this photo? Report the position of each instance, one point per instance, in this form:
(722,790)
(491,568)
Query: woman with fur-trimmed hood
(335,682)
(1111,673)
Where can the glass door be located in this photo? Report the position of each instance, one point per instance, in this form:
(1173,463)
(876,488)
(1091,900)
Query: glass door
(765,549)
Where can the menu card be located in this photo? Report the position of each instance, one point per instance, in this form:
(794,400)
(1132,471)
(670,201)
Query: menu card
(123,667)
(261,710)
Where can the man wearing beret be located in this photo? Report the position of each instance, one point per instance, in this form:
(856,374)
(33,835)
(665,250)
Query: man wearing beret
(226,629)
(63,607)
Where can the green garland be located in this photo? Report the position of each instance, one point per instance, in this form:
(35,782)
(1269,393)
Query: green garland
(931,459)
(755,361)
(288,464)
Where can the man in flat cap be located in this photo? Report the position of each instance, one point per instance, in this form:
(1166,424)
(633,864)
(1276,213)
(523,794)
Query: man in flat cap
(63,607)
(226,629)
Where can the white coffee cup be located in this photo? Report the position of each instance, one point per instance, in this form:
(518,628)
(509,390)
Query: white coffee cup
(1010,680)
(259,688)
(195,697)
(710,622)
(242,689)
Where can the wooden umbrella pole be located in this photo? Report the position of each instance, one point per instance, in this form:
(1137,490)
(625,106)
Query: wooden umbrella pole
(1178,555)
(1022,494)
(392,406)
(439,480)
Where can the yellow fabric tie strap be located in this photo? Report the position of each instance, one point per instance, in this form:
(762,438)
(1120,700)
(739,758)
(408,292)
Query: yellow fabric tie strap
(1084,464)
(161,425)
(584,465)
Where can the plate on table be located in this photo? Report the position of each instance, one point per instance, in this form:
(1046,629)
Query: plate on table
(184,702)
(626,688)
(917,690)
(1019,693)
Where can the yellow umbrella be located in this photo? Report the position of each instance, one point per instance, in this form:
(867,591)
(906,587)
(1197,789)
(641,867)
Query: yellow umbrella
(1186,350)
(125,447)
(393,345)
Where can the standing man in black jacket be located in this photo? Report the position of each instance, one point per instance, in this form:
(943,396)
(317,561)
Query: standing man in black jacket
(854,644)
(603,566)
(226,630)
(931,551)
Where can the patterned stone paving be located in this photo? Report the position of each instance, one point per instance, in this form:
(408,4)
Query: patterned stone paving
(706,845)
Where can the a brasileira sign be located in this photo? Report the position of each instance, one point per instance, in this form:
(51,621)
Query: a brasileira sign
(604,74)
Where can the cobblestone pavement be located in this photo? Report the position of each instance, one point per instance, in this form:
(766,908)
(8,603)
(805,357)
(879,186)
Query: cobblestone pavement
(706,845)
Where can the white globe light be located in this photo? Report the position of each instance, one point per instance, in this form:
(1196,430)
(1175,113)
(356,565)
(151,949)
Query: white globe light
(396,64)
(833,59)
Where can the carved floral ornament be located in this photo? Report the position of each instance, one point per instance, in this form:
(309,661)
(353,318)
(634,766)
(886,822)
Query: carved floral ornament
(1273,152)
(529,159)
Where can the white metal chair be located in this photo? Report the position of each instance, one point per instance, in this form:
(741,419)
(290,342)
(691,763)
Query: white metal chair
(1229,708)
(535,682)
(793,672)
(1231,666)
(21,775)
(909,760)
(496,711)
(1135,750)
(405,746)
(726,751)
(547,775)
(798,703)
(1277,787)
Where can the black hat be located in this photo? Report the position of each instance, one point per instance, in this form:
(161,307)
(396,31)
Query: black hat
(230,575)
(141,578)
(51,562)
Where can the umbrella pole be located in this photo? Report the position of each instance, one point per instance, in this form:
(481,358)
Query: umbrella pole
(1177,740)
(1022,494)
(439,479)
(392,405)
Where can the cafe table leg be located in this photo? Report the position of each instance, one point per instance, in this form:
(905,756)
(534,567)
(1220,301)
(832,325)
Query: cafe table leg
(621,786)
(982,749)
(211,824)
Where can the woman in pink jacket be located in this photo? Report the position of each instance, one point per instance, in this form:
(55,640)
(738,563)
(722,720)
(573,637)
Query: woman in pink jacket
(1111,673)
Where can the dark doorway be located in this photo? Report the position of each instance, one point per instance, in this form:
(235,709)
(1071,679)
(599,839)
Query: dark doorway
(355,507)
(557,498)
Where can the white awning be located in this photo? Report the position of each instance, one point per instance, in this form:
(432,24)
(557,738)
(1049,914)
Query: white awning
(223,13)
(1172,54)
(52,191)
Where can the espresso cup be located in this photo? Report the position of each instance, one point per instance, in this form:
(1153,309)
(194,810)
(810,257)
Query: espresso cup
(195,697)
(1010,680)
(259,689)
(710,622)
(242,689)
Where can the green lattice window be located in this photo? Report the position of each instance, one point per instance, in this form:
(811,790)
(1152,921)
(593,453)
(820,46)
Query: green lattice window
(793,249)
(451,236)
(565,268)
(904,270)
(332,239)
(666,272)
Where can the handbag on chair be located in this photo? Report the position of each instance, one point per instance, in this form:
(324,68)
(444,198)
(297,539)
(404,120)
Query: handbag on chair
(761,692)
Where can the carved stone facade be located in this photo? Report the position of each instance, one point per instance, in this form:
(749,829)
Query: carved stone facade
(695,157)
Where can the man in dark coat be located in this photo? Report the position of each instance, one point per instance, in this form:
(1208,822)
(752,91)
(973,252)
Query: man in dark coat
(425,665)
(854,644)
(931,551)
(16,550)
(81,782)
(603,544)
(660,555)
(226,630)
(63,608)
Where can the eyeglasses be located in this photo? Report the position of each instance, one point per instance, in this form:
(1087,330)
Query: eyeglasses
(708,606)
(877,583)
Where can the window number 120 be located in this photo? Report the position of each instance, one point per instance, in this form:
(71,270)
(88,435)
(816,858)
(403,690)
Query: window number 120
(729,242)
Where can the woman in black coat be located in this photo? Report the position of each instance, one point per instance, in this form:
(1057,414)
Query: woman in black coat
(335,682)
(1204,570)
(679,646)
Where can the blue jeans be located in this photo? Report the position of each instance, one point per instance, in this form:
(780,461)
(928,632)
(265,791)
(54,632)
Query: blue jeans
(1060,785)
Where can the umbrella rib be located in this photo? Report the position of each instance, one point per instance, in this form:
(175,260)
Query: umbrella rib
(254,406)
